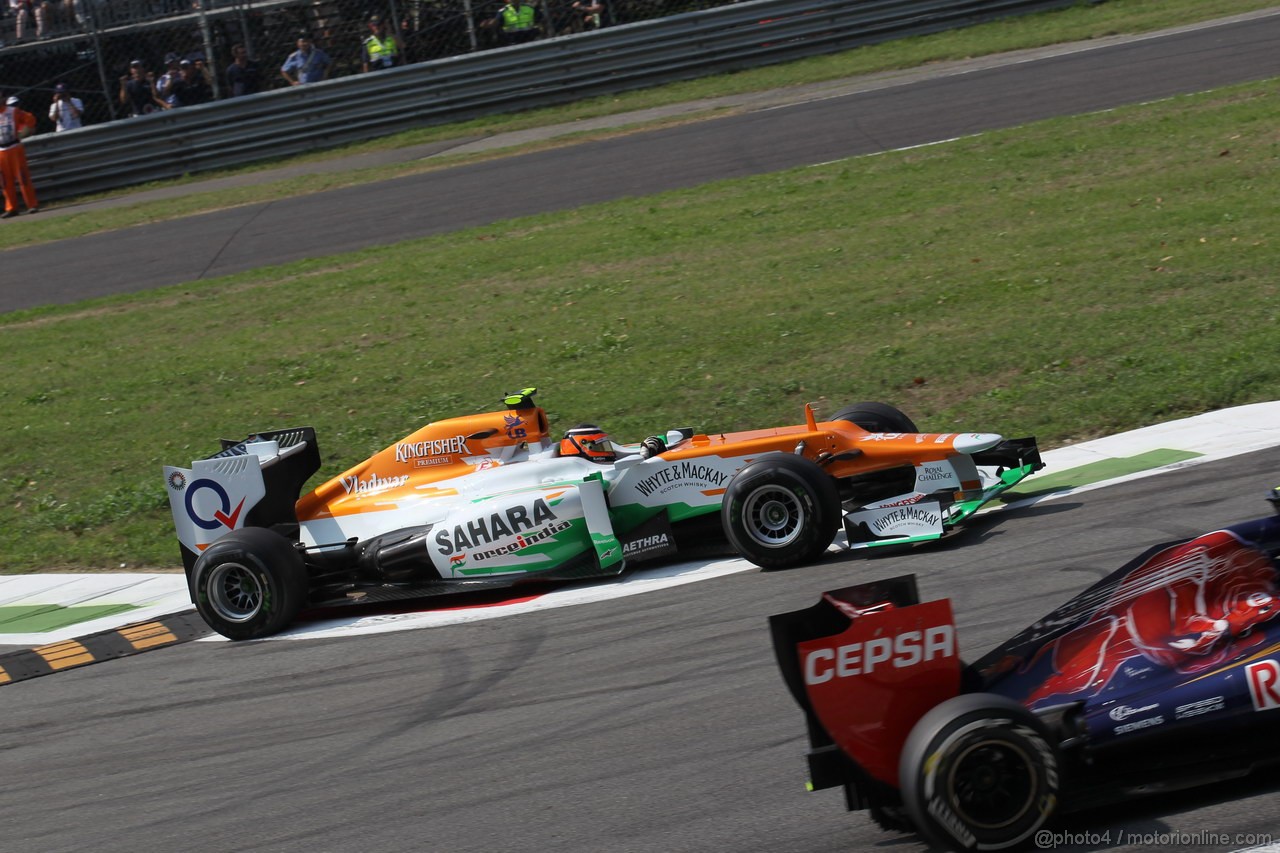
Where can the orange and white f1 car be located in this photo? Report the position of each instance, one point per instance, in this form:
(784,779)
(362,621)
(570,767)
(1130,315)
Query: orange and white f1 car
(493,500)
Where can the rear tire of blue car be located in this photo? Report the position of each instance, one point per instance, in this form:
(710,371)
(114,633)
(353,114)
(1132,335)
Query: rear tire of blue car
(979,771)
(876,417)
(250,583)
(781,511)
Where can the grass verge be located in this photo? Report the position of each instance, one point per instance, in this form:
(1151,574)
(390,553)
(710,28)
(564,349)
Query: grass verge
(1068,279)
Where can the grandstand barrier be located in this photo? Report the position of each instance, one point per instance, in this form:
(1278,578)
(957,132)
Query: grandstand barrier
(239,131)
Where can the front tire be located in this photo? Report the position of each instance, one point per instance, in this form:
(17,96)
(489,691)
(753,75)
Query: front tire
(781,511)
(876,417)
(979,772)
(250,583)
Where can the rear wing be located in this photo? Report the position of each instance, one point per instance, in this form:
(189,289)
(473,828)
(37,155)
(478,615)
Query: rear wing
(865,664)
(253,482)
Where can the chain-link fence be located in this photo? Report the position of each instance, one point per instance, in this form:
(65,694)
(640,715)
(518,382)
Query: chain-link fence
(112,55)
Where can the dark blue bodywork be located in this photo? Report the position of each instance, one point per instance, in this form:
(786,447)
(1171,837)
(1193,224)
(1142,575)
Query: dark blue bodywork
(1180,646)
(1165,674)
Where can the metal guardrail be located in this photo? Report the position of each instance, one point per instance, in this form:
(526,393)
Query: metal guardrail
(321,115)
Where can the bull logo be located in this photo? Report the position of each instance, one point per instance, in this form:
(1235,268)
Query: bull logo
(1189,608)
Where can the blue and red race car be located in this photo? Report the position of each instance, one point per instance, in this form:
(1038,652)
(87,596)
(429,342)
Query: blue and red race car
(1164,674)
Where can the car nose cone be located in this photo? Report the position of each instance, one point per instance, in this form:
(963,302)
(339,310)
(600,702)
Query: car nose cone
(976,442)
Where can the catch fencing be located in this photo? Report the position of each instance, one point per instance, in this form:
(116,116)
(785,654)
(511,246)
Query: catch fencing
(294,120)
(88,45)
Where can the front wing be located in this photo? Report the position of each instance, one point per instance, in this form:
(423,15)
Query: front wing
(923,516)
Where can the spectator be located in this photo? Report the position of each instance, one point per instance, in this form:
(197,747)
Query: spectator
(381,50)
(66,110)
(163,95)
(24,11)
(518,21)
(62,15)
(244,77)
(412,21)
(591,12)
(137,90)
(195,83)
(15,125)
(308,64)
(204,70)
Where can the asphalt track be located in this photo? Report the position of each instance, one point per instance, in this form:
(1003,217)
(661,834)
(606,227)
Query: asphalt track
(917,111)
(654,723)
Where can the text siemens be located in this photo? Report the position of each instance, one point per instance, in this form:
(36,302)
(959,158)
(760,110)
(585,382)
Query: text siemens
(904,650)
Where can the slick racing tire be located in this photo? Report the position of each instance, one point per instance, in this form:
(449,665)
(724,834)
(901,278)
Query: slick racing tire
(781,511)
(250,583)
(979,772)
(876,417)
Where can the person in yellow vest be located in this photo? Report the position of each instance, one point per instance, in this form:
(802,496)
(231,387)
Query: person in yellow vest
(380,49)
(518,21)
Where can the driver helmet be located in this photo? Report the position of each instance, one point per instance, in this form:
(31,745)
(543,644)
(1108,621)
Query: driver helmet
(590,442)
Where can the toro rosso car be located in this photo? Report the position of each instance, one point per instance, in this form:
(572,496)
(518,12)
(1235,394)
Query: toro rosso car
(1164,674)
(492,499)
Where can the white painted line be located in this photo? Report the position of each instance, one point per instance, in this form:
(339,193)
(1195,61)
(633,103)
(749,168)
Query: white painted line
(891,151)
(1213,435)
(633,582)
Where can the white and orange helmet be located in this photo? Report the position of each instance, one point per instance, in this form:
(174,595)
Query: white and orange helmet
(590,442)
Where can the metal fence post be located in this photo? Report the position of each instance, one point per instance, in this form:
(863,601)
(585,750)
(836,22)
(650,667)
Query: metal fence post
(108,92)
(206,36)
(471,24)
(245,33)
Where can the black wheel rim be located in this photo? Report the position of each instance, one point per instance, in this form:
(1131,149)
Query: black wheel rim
(992,784)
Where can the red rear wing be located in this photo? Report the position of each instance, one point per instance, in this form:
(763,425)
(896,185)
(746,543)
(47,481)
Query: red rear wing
(866,664)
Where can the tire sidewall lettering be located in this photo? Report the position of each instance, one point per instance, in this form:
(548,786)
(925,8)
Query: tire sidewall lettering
(938,762)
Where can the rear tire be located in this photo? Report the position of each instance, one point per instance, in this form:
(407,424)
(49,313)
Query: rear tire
(979,770)
(781,511)
(876,417)
(250,583)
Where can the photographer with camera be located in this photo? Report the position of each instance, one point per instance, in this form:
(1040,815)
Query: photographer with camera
(137,89)
(66,110)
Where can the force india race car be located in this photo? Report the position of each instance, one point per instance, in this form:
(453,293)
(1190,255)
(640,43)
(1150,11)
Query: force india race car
(492,500)
(1164,674)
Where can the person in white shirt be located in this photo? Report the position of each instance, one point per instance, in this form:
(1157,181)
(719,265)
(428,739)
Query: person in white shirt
(66,109)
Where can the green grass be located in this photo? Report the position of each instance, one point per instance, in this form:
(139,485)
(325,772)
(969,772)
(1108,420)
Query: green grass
(1068,279)
(1082,22)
